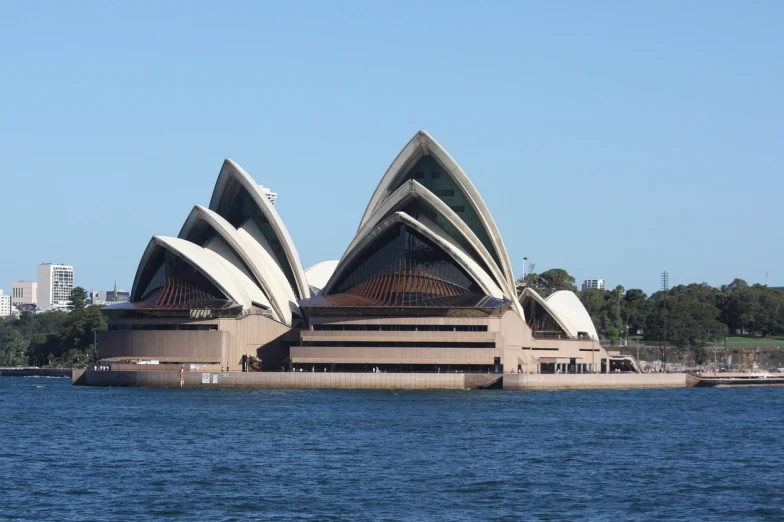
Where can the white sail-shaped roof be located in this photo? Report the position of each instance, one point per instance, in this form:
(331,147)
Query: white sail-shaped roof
(412,189)
(557,313)
(247,257)
(200,259)
(470,266)
(220,250)
(275,281)
(568,306)
(462,191)
(278,239)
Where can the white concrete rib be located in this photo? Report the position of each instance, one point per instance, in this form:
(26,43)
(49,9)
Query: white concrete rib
(422,143)
(460,257)
(231,170)
(200,259)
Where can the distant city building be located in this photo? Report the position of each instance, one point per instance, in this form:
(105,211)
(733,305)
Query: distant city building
(55,283)
(24,293)
(271,196)
(109,297)
(5,304)
(593,283)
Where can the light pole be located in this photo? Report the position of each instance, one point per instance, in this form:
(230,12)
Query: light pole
(715,363)
(665,285)
(637,342)
(627,327)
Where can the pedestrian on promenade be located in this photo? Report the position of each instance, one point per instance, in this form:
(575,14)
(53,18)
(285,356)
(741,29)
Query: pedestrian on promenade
(181,373)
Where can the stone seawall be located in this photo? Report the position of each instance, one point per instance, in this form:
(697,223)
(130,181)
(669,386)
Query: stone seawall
(596,381)
(35,372)
(382,381)
(301,380)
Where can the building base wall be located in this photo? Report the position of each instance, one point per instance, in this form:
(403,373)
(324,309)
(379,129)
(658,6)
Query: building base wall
(596,381)
(226,343)
(380,381)
(283,380)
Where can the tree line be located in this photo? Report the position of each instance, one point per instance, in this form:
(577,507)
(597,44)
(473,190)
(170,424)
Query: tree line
(52,338)
(695,315)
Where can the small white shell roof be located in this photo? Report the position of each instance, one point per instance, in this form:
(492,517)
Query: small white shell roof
(318,274)
(568,306)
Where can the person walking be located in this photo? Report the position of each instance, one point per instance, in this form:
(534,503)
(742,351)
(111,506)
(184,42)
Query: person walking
(181,373)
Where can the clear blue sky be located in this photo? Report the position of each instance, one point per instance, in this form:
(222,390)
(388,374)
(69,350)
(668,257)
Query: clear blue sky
(612,139)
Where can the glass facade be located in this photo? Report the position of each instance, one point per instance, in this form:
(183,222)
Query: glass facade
(542,324)
(237,206)
(402,267)
(419,208)
(398,344)
(435,178)
(402,327)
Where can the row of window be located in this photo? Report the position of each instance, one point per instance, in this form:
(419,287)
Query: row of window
(396,344)
(403,268)
(428,172)
(436,174)
(191,327)
(402,327)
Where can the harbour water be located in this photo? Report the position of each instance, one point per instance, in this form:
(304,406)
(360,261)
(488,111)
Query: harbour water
(83,453)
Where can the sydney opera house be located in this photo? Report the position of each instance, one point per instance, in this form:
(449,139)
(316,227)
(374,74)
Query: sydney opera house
(425,285)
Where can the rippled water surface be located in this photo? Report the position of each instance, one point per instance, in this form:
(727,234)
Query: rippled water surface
(78,453)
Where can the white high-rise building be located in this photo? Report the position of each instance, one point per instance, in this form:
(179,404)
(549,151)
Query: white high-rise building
(24,292)
(55,283)
(271,196)
(593,283)
(5,304)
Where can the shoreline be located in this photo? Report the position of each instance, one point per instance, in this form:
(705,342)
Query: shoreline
(36,372)
(389,381)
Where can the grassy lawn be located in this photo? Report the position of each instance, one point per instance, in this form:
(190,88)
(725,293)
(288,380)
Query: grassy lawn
(734,341)
(744,341)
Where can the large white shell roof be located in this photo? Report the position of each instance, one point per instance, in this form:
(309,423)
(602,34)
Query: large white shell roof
(238,259)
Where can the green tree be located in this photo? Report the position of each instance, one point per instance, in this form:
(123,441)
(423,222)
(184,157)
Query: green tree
(701,355)
(13,347)
(41,346)
(78,298)
(612,334)
(692,322)
(551,281)
(593,301)
(611,311)
(634,309)
(75,331)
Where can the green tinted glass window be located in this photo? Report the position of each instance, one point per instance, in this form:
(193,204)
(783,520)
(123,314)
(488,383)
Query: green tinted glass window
(429,173)
(404,263)
(244,208)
